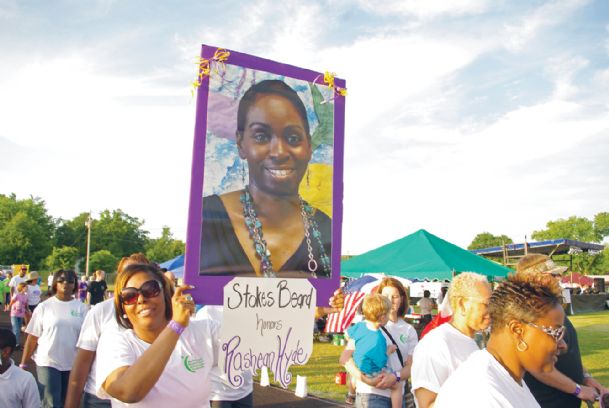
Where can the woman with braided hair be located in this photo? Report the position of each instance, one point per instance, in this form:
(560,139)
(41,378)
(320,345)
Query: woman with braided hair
(526,335)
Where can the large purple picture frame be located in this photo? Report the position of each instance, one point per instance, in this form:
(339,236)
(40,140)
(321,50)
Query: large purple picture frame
(209,289)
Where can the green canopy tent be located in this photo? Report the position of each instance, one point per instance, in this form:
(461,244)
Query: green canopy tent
(421,255)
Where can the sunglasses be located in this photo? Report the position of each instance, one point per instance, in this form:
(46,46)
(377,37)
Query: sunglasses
(149,289)
(64,280)
(557,334)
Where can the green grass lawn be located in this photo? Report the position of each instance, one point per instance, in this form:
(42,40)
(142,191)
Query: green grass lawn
(592,330)
(593,335)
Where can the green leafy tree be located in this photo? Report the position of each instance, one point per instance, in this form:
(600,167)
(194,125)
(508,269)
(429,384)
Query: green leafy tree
(487,240)
(73,233)
(575,228)
(119,233)
(601,225)
(26,230)
(62,258)
(104,260)
(164,248)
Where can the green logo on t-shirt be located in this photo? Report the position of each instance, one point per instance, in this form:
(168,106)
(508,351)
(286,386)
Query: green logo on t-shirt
(76,313)
(193,364)
(402,338)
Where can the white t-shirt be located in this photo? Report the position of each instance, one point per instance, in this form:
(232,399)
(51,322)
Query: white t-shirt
(438,355)
(426,305)
(18,389)
(482,382)
(185,380)
(33,294)
(57,325)
(16,280)
(406,337)
(220,390)
(100,317)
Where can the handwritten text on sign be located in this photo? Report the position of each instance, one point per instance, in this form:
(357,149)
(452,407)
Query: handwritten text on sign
(268,322)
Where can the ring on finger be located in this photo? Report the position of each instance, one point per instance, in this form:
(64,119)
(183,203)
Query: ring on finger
(188,298)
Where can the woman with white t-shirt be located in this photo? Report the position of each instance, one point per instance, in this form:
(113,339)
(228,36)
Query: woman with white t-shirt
(52,332)
(377,393)
(526,335)
(160,360)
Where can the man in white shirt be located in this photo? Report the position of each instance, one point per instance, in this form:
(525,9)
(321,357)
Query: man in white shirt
(17,279)
(18,388)
(444,348)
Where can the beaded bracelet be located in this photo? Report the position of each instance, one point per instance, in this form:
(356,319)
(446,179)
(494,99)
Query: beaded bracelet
(176,327)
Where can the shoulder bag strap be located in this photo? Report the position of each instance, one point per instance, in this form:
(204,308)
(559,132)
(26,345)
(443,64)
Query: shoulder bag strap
(393,341)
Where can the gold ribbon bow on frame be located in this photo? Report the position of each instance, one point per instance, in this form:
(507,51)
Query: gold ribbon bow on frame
(220,56)
(329,81)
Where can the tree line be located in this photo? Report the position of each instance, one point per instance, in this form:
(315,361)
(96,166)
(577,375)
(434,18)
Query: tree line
(29,234)
(574,228)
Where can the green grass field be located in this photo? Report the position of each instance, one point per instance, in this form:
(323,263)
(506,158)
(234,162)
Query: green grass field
(593,335)
(592,330)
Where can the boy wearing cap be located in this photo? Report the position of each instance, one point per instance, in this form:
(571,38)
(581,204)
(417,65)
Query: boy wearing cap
(569,382)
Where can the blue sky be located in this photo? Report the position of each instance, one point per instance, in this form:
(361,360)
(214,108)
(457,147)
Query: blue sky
(463,116)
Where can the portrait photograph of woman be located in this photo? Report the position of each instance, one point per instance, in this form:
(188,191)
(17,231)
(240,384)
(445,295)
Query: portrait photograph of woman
(267,180)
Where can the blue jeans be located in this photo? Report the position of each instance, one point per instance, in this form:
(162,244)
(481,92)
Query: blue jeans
(245,402)
(16,322)
(54,386)
(372,401)
(92,401)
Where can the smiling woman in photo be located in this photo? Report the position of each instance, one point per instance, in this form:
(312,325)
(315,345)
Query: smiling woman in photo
(267,229)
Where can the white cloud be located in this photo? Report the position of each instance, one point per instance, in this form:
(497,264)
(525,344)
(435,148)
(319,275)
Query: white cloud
(425,9)
(81,146)
(552,13)
(561,70)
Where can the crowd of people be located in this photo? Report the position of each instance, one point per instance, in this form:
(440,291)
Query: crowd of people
(531,357)
(141,346)
(145,346)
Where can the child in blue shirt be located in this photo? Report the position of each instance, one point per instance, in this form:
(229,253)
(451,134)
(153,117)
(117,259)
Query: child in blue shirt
(371,349)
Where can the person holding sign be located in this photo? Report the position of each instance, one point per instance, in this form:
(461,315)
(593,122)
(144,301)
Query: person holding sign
(160,356)
(267,229)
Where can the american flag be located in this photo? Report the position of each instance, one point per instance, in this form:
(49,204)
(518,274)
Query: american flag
(338,322)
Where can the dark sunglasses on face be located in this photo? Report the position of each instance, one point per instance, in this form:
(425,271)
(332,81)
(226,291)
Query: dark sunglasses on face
(64,280)
(149,289)
(556,333)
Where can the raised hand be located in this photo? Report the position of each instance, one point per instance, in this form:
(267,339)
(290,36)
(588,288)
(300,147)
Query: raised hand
(183,305)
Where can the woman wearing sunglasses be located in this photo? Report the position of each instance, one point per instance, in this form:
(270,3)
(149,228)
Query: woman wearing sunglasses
(52,333)
(526,335)
(160,360)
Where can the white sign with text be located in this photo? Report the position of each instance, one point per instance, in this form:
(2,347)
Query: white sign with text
(268,322)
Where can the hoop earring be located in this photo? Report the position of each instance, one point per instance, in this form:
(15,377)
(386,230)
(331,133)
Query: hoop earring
(522,346)
(243,172)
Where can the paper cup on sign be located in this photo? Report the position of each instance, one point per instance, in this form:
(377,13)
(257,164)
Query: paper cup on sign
(301,386)
(264,377)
